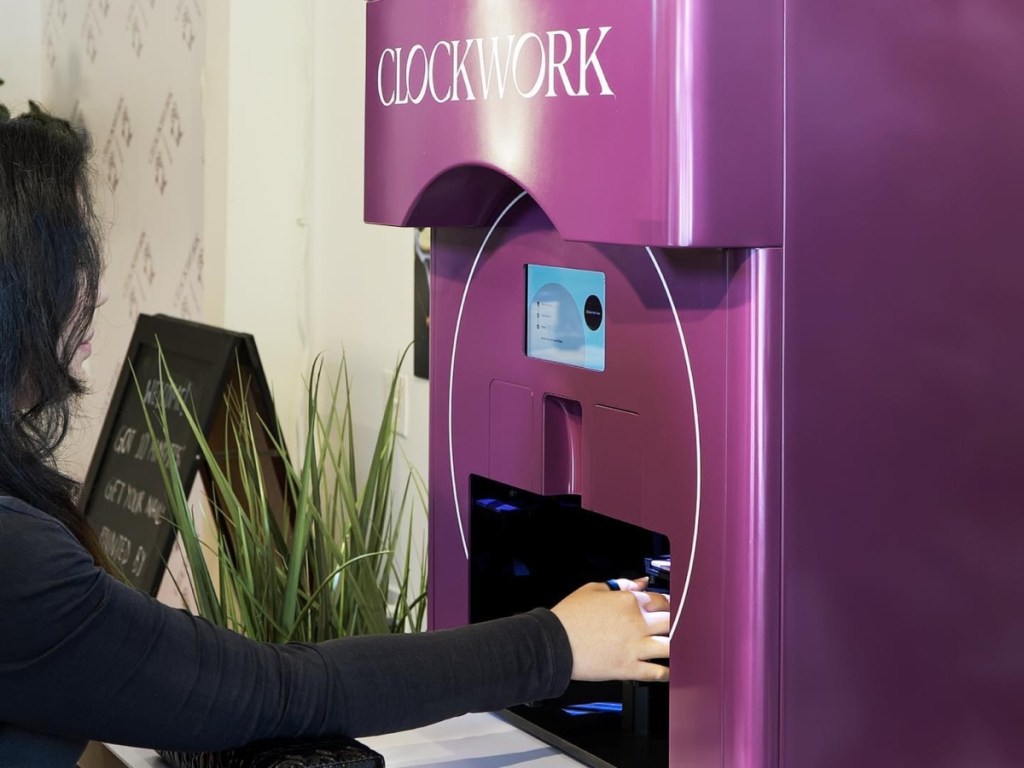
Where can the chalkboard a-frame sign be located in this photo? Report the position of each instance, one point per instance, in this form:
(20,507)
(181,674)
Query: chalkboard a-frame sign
(123,495)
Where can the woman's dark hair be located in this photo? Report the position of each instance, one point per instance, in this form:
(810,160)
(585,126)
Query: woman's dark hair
(49,277)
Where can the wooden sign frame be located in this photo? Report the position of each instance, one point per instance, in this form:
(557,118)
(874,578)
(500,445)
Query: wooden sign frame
(123,495)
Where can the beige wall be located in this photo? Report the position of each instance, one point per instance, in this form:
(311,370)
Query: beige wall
(21,52)
(364,273)
(259,182)
(284,180)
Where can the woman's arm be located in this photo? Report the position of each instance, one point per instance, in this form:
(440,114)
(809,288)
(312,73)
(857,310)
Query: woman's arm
(84,656)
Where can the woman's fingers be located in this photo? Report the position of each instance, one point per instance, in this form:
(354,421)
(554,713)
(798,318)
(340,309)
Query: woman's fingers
(628,585)
(658,623)
(613,636)
(649,601)
(654,647)
(652,601)
(651,673)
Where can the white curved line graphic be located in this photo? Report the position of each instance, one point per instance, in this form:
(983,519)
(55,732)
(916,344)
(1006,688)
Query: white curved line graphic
(693,401)
(696,432)
(451,370)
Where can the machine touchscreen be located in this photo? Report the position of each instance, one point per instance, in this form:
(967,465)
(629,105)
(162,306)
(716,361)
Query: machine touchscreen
(565,316)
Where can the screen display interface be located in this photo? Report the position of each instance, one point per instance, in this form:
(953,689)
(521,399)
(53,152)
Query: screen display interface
(565,316)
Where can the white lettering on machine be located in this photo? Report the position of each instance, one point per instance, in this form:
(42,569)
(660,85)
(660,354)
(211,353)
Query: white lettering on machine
(485,68)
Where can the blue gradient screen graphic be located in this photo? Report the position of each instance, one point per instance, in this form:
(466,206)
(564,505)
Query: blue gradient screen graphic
(565,316)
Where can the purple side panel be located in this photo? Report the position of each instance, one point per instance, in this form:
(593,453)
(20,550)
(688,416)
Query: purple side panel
(616,442)
(751,561)
(511,425)
(903,642)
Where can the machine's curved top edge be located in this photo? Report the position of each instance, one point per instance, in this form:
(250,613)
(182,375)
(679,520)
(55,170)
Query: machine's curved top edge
(638,123)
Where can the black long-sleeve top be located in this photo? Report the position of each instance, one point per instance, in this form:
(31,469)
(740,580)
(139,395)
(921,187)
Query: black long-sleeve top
(83,656)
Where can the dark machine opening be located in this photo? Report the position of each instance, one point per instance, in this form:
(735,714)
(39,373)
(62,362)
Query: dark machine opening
(529,550)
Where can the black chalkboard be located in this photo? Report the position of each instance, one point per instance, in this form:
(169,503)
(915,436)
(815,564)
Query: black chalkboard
(123,494)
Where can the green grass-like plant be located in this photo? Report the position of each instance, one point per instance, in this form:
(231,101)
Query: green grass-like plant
(310,558)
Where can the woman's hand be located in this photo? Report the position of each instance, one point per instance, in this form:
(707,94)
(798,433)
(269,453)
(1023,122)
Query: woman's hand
(615,633)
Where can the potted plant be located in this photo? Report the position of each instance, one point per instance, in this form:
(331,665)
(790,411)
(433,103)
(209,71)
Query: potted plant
(319,562)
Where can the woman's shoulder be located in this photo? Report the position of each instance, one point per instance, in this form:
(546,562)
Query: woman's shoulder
(47,581)
(18,518)
(31,538)
(17,506)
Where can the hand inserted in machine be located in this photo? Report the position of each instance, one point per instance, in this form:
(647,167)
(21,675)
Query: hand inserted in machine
(616,632)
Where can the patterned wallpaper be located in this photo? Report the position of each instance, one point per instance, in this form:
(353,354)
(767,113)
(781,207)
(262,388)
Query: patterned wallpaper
(130,71)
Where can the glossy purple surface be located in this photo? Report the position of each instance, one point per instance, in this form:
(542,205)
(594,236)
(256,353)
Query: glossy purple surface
(857,587)
(631,448)
(903,640)
(689,125)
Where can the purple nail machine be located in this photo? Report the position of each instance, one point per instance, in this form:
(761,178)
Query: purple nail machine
(734,286)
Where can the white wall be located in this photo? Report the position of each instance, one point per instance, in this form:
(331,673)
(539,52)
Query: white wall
(259,182)
(284,181)
(364,273)
(21,52)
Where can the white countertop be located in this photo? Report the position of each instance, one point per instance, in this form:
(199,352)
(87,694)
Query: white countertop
(470,741)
